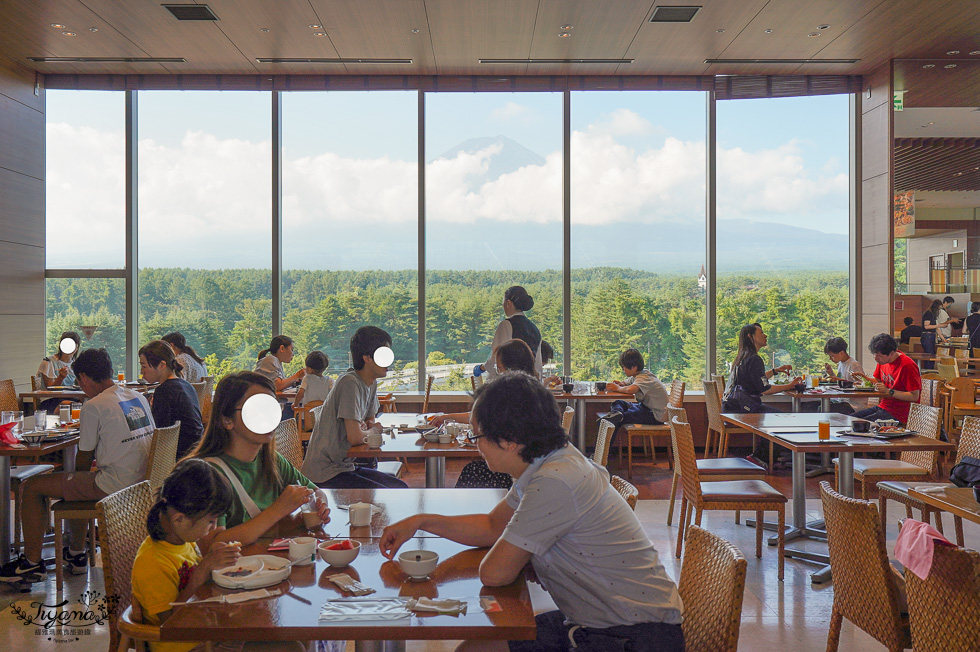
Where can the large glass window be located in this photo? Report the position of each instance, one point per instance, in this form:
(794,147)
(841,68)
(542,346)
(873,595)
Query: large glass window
(493,219)
(638,229)
(95,308)
(783,226)
(350,224)
(205,207)
(85,184)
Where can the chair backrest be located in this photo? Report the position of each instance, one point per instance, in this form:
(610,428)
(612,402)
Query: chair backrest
(387,402)
(712,404)
(37,383)
(948,369)
(865,590)
(625,489)
(969,444)
(8,395)
(122,528)
(566,419)
(961,390)
(929,395)
(925,420)
(712,586)
(306,415)
(961,353)
(915,343)
(428,390)
(681,414)
(676,397)
(163,455)
(602,441)
(204,390)
(720,380)
(944,608)
(288,442)
(686,457)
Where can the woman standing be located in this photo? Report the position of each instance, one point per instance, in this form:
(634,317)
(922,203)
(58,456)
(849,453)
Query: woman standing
(516,325)
(270,363)
(174,400)
(193,364)
(930,330)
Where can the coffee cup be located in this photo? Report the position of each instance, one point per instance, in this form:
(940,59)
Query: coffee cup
(600,386)
(445,437)
(360,514)
(568,387)
(374,440)
(860,425)
(302,548)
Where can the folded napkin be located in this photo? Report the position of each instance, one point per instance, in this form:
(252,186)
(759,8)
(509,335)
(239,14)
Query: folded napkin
(933,489)
(445,606)
(7,435)
(233,598)
(348,583)
(347,609)
(915,545)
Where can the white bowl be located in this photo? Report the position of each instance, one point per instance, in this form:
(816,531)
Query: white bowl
(33,438)
(338,558)
(418,564)
(432,436)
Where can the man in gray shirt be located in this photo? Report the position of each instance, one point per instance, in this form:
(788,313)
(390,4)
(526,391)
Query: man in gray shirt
(346,418)
(563,517)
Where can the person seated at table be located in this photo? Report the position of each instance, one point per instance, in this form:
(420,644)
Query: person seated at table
(561,511)
(347,417)
(848,368)
(193,365)
(55,370)
(267,488)
(911,330)
(749,378)
(547,355)
(174,399)
(651,395)
(116,430)
(270,363)
(895,373)
(315,386)
(931,330)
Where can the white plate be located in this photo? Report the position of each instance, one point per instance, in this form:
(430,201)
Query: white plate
(272,573)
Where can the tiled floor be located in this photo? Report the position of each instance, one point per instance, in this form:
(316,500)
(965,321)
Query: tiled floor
(793,613)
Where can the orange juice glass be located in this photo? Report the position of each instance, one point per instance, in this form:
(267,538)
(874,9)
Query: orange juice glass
(122,377)
(823,429)
(76,411)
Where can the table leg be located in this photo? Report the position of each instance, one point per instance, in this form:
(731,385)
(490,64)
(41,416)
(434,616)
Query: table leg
(435,472)
(846,478)
(580,426)
(5,541)
(379,646)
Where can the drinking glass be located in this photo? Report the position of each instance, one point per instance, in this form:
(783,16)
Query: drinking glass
(18,417)
(76,411)
(40,419)
(6,417)
(122,377)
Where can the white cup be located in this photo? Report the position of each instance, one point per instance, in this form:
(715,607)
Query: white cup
(64,414)
(374,440)
(360,514)
(445,437)
(302,548)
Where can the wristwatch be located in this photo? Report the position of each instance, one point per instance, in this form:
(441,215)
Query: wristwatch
(891,392)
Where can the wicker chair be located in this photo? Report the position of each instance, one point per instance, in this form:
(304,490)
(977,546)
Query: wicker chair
(305,416)
(712,403)
(602,442)
(910,466)
(969,446)
(748,495)
(8,395)
(625,489)
(204,391)
(944,608)
(123,519)
(712,586)
(428,391)
(712,470)
(648,432)
(566,419)
(866,589)
(37,383)
(288,442)
(163,455)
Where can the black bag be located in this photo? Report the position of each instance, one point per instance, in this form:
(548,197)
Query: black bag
(966,473)
(741,401)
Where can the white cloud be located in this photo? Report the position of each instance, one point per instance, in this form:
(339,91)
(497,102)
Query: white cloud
(512,111)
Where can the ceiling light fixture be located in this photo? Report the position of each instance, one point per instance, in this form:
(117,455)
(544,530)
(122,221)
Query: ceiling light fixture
(952,52)
(107,59)
(93,29)
(768,31)
(720,31)
(315,26)
(563,35)
(415,31)
(950,65)
(551,61)
(329,60)
(813,34)
(975,52)
(318,34)
(793,61)
(929,65)
(57,25)
(68,33)
(823,26)
(567,27)
(264,29)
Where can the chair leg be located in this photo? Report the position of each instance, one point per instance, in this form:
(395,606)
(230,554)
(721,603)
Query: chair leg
(833,635)
(681,526)
(91,543)
(939,520)
(18,495)
(781,538)
(723,446)
(707,443)
(59,571)
(958,526)
(772,457)
(738,517)
(697,517)
(629,455)
(673,497)
(883,510)
(758,533)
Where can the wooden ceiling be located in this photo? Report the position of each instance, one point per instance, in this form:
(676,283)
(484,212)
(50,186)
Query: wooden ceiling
(452,35)
(937,164)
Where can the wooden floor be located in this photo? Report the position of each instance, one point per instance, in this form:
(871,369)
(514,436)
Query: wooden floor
(793,614)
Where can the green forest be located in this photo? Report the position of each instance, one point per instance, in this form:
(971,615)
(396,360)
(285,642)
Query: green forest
(226,315)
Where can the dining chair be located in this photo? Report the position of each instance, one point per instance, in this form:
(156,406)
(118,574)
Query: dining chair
(387,402)
(944,608)
(948,369)
(915,344)
(968,446)
(204,391)
(625,489)
(288,442)
(749,495)
(428,391)
(163,455)
(122,517)
(712,586)
(305,416)
(566,420)
(647,432)
(867,591)
(910,465)
(716,469)
(603,438)
(8,395)
(960,402)
(712,401)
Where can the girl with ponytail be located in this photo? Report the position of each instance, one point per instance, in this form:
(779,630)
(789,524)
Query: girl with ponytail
(174,400)
(271,360)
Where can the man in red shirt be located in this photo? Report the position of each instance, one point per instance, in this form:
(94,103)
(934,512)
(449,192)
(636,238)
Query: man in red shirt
(895,373)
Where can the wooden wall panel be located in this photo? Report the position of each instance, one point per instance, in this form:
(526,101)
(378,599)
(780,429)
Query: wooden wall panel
(22,217)
(876,159)
(877,220)
(874,270)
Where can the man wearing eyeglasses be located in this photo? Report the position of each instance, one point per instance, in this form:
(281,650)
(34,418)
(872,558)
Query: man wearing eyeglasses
(564,518)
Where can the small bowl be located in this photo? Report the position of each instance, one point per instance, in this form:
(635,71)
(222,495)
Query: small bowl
(800,387)
(885,423)
(338,558)
(33,438)
(860,425)
(845,384)
(568,387)
(418,564)
(600,386)
(431,436)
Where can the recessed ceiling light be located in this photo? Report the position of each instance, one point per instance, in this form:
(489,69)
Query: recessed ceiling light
(315,26)
(564,35)
(264,29)
(823,26)
(950,65)
(567,27)
(415,31)
(720,31)
(951,52)
(318,34)
(812,34)
(929,65)
(68,33)
(975,52)
(768,31)
(57,25)
(93,29)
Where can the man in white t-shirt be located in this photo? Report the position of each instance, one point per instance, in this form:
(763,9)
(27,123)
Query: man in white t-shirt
(116,430)
(562,516)
(847,367)
(942,317)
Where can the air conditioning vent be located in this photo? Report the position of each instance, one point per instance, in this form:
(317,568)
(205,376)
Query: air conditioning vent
(107,59)
(191,12)
(333,60)
(529,61)
(674,14)
(793,61)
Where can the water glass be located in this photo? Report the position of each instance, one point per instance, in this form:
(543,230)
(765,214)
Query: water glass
(18,417)
(40,420)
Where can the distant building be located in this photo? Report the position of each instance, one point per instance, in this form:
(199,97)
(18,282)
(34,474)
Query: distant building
(702,279)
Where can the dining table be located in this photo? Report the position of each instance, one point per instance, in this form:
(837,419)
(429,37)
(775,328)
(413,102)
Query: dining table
(75,393)
(294,612)
(775,426)
(583,393)
(67,442)
(959,501)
